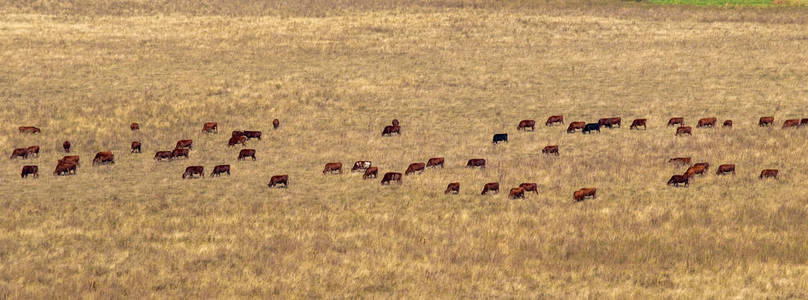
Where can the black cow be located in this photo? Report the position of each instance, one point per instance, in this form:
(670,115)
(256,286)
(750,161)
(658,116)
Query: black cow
(591,127)
(500,137)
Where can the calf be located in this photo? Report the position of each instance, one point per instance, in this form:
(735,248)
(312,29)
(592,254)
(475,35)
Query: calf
(210,127)
(66,146)
(525,124)
(453,188)
(727,123)
(766,121)
(219,170)
(575,126)
(29,129)
(706,122)
(361,165)
(65,168)
(391,176)
(676,180)
(134,126)
(550,150)
(19,152)
(237,140)
(33,150)
(245,153)
(104,157)
(588,128)
(182,144)
(581,194)
(161,155)
(684,130)
(724,169)
(676,120)
(637,123)
(29,170)
(554,119)
(517,193)
(252,134)
(415,167)
(390,129)
(769,173)
(680,161)
(371,172)
(278,180)
(476,162)
(135,147)
(275,124)
(332,167)
(191,171)
(176,153)
(791,123)
(435,162)
(530,187)
(500,137)
(490,187)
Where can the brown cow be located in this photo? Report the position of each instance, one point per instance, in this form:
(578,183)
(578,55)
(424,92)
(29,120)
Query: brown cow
(29,170)
(236,133)
(70,158)
(791,123)
(65,168)
(361,166)
(219,170)
(517,193)
(610,122)
(135,147)
(676,120)
(453,187)
(390,129)
(530,187)
(394,122)
(279,179)
(554,119)
(637,123)
(680,161)
(237,140)
(550,150)
(176,153)
(29,129)
(766,121)
(679,179)
(134,126)
(193,170)
(695,169)
(160,155)
(724,169)
(252,134)
(391,176)
(210,127)
(275,124)
(804,122)
(19,152)
(333,167)
(727,123)
(370,172)
(31,151)
(104,157)
(707,122)
(684,130)
(581,194)
(245,153)
(490,187)
(703,164)
(575,126)
(769,173)
(66,146)
(476,162)
(525,124)
(415,167)
(435,162)
(182,144)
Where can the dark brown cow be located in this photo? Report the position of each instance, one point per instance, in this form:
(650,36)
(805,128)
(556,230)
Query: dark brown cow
(332,167)
(476,162)
(766,121)
(65,168)
(236,133)
(394,122)
(193,170)
(435,162)
(680,161)
(135,147)
(361,165)
(33,150)
(517,193)
(453,188)
(550,150)
(525,124)
(684,130)
(29,129)
(245,153)
(707,122)
(575,126)
(219,170)
(637,123)
(676,120)
(676,180)
(275,124)
(390,129)
(554,119)
(769,173)
(415,167)
(176,153)
(581,194)
(490,187)
(695,169)
(134,126)
(804,122)
(161,155)
(19,152)
(104,157)
(278,180)
(210,127)
(237,140)
(530,187)
(791,123)
(29,170)
(182,144)
(391,176)
(610,122)
(724,169)
(728,123)
(370,172)
(252,134)
(70,158)
(66,146)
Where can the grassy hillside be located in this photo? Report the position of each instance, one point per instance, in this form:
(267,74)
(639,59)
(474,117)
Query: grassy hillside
(756,3)
(453,75)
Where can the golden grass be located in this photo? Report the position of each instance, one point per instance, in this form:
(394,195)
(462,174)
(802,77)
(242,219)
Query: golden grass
(453,75)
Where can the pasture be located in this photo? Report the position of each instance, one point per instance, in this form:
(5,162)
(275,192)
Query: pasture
(453,73)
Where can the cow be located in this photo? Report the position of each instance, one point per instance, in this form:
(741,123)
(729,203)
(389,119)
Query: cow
(724,169)
(278,180)
(706,122)
(637,123)
(610,122)
(490,187)
(182,144)
(332,167)
(210,127)
(581,194)
(219,170)
(791,123)
(252,134)
(65,168)
(135,147)
(525,124)
(684,130)
(727,123)
(550,150)
(683,161)
(70,158)
(476,162)
(237,140)
(134,126)
(29,129)
(575,126)
(803,122)
(453,188)
(767,173)
(500,137)
(193,170)
(371,172)
(554,119)
(530,187)
(415,167)
(31,151)
(176,153)
(391,176)
(394,122)
(435,162)
(161,155)
(679,179)
(19,152)
(66,146)
(703,164)
(276,123)
(766,121)
(104,157)
(361,165)
(588,128)
(390,129)
(517,193)
(676,120)
(245,153)
(29,170)
(695,169)
(236,133)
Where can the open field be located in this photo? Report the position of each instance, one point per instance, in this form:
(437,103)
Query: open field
(453,73)
(757,3)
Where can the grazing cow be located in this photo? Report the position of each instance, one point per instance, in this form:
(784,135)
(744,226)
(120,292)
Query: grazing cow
(134,126)
(530,187)
(176,153)
(104,157)
(500,137)
(676,120)
(727,123)
(219,170)
(161,155)
(390,129)
(435,162)
(575,126)
(679,179)
(415,167)
(476,162)
(193,170)
(395,122)
(70,158)
(371,172)
(245,153)
(135,147)
(525,124)
(791,123)
(610,122)
(703,164)
(275,124)
(766,121)
(767,173)
(182,144)
(252,134)
(581,194)
(724,169)
(29,170)
(210,127)
(706,122)
(65,168)
(490,187)
(554,119)
(66,146)
(278,180)
(804,122)
(29,129)
(391,176)
(637,123)
(684,130)
(236,133)
(333,167)
(453,188)
(237,140)
(550,150)
(591,127)
(517,193)
(31,151)
(683,161)
(361,165)
(695,169)
(19,152)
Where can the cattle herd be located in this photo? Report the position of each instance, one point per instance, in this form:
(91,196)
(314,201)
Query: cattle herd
(68,164)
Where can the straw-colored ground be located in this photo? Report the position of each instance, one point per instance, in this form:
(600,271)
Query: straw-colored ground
(453,73)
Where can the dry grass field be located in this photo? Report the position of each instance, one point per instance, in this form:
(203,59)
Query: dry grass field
(454,73)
